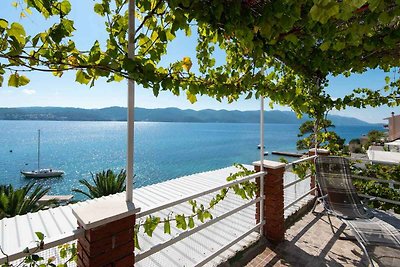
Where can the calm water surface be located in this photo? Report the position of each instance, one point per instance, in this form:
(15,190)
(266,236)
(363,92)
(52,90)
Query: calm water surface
(162,150)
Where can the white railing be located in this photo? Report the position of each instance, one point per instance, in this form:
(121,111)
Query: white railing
(372,161)
(299,198)
(291,164)
(296,181)
(391,184)
(46,249)
(158,247)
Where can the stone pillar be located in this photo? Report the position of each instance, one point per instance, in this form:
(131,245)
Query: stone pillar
(108,225)
(320,152)
(274,228)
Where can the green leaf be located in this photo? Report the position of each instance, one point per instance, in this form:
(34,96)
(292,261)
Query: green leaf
(181,222)
(39,235)
(1,80)
(339,46)
(3,24)
(292,38)
(65,7)
(98,8)
(387,79)
(187,63)
(250,95)
(191,222)
(135,236)
(325,45)
(192,98)
(374,4)
(118,78)
(15,80)
(385,18)
(207,215)
(23,80)
(28,10)
(167,226)
(156,90)
(82,77)
(200,216)
(150,225)
(35,257)
(18,32)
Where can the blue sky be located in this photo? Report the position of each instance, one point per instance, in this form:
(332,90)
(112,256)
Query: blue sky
(46,90)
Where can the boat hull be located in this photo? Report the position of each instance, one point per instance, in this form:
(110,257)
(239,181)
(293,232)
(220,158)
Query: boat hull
(42,173)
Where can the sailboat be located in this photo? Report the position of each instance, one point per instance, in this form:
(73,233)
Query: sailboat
(41,173)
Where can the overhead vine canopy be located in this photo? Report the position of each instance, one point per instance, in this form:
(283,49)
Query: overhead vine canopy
(281,49)
(312,38)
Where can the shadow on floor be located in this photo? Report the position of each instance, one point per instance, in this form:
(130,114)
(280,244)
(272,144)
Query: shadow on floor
(309,242)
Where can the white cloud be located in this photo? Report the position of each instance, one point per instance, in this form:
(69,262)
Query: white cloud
(29,91)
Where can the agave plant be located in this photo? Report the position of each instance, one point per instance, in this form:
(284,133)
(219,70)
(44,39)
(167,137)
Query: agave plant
(105,183)
(22,200)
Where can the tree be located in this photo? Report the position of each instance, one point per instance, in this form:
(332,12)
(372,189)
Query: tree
(281,50)
(22,200)
(325,138)
(104,183)
(374,137)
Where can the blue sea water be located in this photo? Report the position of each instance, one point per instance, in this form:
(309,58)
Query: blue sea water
(162,150)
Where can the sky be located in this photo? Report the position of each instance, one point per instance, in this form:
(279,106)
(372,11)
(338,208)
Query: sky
(47,90)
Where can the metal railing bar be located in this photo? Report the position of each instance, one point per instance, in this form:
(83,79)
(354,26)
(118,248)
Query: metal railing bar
(290,164)
(182,235)
(375,179)
(193,196)
(381,199)
(300,198)
(47,245)
(225,247)
(296,181)
(372,161)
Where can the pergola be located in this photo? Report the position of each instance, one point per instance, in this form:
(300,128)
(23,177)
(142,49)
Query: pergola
(305,40)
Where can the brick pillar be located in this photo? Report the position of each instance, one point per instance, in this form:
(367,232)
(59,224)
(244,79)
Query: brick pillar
(274,228)
(320,152)
(108,233)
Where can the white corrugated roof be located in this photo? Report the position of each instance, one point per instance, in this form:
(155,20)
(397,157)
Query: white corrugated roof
(18,232)
(383,156)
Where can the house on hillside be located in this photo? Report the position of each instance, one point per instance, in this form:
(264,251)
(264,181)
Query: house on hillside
(394,127)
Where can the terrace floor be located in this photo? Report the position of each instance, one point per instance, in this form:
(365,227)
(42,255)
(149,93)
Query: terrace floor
(309,242)
(60,223)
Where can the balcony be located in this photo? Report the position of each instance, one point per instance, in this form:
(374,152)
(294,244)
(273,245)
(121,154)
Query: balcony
(105,226)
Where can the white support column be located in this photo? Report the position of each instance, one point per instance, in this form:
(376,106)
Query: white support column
(262,163)
(131,105)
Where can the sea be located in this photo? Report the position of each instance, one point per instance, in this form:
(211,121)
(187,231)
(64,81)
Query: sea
(163,150)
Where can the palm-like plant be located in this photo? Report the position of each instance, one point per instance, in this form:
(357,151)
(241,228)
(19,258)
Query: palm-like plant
(105,183)
(22,200)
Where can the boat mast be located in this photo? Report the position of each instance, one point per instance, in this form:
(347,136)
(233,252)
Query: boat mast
(38,151)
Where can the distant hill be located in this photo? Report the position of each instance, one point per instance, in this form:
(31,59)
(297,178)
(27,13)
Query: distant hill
(160,115)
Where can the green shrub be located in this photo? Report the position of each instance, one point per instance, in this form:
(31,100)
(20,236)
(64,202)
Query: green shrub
(378,189)
(22,200)
(104,183)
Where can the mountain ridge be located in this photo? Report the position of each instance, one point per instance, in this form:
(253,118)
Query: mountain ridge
(162,115)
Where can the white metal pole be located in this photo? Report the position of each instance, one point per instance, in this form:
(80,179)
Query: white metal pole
(38,151)
(262,163)
(131,105)
(262,133)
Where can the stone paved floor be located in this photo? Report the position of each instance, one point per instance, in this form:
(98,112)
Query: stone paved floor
(309,242)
